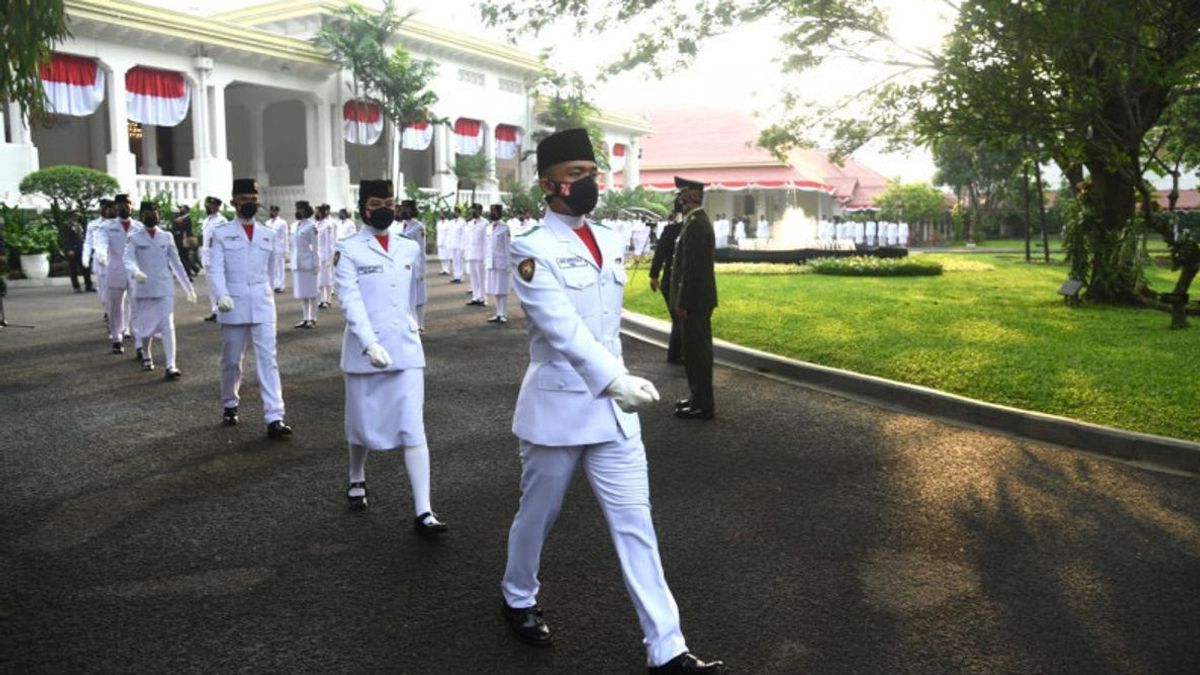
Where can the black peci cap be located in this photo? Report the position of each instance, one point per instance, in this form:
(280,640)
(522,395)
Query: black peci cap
(245,186)
(570,145)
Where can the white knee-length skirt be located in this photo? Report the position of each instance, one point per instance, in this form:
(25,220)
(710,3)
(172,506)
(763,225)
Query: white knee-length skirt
(304,284)
(385,411)
(496,282)
(153,316)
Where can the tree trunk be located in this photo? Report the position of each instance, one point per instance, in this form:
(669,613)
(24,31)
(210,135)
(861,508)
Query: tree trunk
(1028,243)
(1037,168)
(1112,197)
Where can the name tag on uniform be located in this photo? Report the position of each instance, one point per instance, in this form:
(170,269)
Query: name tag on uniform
(233,238)
(142,247)
(371,269)
(573,261)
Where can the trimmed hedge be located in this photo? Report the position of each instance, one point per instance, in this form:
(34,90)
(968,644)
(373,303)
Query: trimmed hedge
(861,266)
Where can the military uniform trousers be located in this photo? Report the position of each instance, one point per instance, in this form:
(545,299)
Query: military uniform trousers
(618,475)
(386,410)
(234,340)
(675,343)
(277,278)
(698,358)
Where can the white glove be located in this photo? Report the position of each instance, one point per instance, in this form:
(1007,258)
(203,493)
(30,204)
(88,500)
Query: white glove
(632,392)
(140,276)
(379,356)
(225,304)
(191,297)
(102,258)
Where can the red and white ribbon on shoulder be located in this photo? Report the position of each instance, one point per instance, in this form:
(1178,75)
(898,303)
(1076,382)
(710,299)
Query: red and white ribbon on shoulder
(74,85)
(157,97)
(417,136)
(468,136)
(362,122)
(508,141)
(617,161)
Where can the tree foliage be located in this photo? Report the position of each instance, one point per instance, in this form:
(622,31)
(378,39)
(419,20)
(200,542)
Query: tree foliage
(564,104)
(634,200)
(28,30)
(75,188)
(912,203)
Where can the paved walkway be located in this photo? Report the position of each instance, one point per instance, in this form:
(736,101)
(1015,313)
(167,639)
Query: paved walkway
(801,532)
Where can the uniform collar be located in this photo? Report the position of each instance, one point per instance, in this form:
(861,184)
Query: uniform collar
(563,228)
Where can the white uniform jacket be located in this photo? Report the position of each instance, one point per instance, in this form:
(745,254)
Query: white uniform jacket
(345,228)
(279,226)
(454,234)
(474,234)
(158,259)
(374,287)
(243,270)
(441,233)
(307,257)
(206,232)
(495,249)
(111,238)
(89,239)
(573,311)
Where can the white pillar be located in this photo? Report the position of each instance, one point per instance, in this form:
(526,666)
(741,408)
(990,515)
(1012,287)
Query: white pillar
(18,157)
(396,176)
(258,144)
(217,128)
(213,172)
(489,151)
(633,163)
(121,163)
(150,165)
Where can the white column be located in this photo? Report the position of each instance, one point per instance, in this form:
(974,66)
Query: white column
(489,151)
(633,163)
(121,163)
(200,118)
(258,144)
(440,162)
(150,165)
(396,176)
(18,157)
(210,166)
(217,128)
(310,135)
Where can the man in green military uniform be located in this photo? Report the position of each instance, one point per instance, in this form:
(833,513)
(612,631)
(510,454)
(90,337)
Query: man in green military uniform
(694,297)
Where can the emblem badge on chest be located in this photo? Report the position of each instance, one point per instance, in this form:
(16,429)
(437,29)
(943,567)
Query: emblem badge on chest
(525,269)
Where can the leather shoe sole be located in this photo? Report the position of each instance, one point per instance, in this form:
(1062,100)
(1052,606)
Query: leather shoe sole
(694,414)
(527,625)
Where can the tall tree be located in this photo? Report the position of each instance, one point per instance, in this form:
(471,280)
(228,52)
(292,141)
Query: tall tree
(28,30)
(563,103)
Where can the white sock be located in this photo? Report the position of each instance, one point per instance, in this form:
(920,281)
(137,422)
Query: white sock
(358,465)
(168,342)
(146,344)
(416,462)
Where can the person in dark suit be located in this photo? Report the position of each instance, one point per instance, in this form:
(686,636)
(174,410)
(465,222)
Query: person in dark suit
(70,235)
(181,229)
(664,257)
(694,297)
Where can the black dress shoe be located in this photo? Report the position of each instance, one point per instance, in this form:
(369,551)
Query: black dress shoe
(357,502)
(118,348)
(139,355)
(456,281)
(690,413)
(675,362)
(430,529)
(173,374)
(527,624)
(277,430)
(147,365)
(494,319)
(230,416)
(686,663)
(302,324)
(211,317)
(683,403)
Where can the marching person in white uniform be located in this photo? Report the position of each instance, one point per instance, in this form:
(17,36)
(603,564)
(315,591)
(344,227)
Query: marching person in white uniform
(110,249)
(280,227)
(326,243)
(212,219)
(457,243)
(496,264)
(443,248)
(305,262)
(345,225)
(243,261)
(414,229)
(383,363)
(474,235)
(763,230)
(91,240)
(151,258)
(576,406)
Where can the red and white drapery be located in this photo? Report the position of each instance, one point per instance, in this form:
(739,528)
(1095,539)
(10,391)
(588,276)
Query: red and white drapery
(157,97)
(468,136)
(617,161)
(362,123)
(417,136)
(74,85)
(508,141)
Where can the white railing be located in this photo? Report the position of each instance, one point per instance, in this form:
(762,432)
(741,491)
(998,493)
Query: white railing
(283,196)
(183,189)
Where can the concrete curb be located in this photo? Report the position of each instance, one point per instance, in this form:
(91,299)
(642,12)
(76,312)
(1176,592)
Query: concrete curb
(1156,451)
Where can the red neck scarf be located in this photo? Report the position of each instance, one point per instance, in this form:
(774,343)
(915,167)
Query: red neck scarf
(383,241)
(249,228)
(589,240)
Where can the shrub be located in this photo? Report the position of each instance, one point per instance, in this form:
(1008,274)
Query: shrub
(862,266)
(26,233)
(70,187)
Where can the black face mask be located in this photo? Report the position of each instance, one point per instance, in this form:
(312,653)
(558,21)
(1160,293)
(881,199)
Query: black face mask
(581,196)
(381,219)
(150,221)
(123,213)
(299,216)
(247,210)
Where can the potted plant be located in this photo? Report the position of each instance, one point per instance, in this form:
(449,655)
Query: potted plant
(30,239)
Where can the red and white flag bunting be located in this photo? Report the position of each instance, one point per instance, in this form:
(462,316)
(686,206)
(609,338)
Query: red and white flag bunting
(417,136)
(362,122)
(508,141)
(618,157)
(157,97)
(74,85)
(468,136)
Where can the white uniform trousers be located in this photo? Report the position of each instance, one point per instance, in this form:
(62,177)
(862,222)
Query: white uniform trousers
(618,476)
(212,293)
(444,258)
(456,256)
(156,318)
(277,281)
(234,339)
(475,271)
(117,309)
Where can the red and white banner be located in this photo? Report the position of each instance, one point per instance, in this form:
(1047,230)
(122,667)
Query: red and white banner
(508,141)
(468,136)
(617,161)
(157,97)
(74,85)
(417,136)
(362,122)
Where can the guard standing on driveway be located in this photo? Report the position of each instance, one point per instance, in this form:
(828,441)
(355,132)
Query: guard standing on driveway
(72,235)
(212,219)
(495,260)
(243,261)
(577,403)
(693,299)
(382,358)
(664,257)
(150,259)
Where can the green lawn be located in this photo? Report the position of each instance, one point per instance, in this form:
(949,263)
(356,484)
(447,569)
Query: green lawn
(990,328)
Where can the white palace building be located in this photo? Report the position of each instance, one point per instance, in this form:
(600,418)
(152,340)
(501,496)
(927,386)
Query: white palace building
(166,100)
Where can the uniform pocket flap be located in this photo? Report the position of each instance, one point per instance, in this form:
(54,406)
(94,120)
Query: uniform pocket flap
(560,378)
